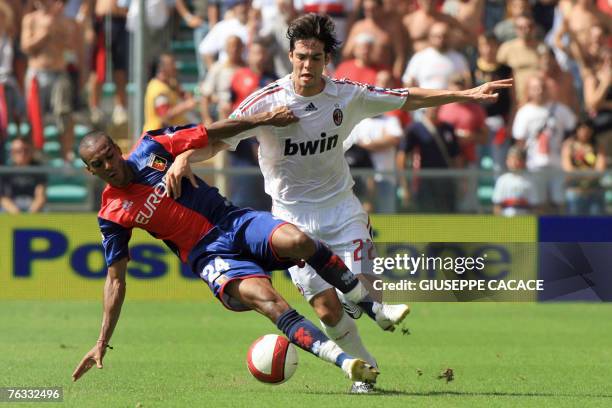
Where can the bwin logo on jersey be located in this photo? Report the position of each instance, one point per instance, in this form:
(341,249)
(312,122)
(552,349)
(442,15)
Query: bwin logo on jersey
(310,147)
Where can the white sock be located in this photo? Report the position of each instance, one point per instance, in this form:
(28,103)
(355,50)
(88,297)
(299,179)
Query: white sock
(329,351)
(346,335)
(357,294)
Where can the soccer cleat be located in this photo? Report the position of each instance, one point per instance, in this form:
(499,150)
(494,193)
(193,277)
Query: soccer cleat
(360,387)
(352,309)
(388,316)
(359,370)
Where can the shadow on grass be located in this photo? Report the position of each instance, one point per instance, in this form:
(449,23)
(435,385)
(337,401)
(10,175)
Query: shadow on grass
(486,394)
(382,391)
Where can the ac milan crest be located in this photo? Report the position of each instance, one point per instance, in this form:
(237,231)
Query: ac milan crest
(338,116)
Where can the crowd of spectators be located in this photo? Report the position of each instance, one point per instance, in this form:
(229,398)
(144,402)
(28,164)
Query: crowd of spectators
(557,119)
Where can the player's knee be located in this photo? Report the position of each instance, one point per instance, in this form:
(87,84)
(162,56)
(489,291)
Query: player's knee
(328,307)
(301,244)
(330,316)
(273,308)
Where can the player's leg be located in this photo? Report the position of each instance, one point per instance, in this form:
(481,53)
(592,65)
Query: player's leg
(258,294)
(358,253)
(273,240)
(288,242)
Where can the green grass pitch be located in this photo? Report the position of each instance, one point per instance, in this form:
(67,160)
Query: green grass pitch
(177,354)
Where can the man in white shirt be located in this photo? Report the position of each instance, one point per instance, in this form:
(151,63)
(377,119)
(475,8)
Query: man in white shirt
(433,67)
(305,171)
(515,193)
(234,24)
(540,127)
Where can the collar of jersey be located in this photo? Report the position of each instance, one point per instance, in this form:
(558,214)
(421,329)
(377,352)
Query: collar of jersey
(330,88)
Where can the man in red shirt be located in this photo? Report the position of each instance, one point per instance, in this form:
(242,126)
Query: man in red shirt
(255,76)
(362,68)
(468,119)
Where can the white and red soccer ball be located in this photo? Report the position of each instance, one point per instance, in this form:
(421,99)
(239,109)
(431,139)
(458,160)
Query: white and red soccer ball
(272,359)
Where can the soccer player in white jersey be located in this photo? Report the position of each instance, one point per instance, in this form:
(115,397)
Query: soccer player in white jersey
(305,171)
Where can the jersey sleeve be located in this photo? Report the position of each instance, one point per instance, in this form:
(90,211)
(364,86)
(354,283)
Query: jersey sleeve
(373,101)
(115,240)
(240,112)
(178,139)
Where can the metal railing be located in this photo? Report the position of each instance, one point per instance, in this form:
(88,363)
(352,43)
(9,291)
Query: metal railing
(472,188)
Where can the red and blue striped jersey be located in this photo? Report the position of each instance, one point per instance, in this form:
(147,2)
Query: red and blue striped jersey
(143,203)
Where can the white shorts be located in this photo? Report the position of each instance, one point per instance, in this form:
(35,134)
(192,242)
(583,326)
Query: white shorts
(343,225)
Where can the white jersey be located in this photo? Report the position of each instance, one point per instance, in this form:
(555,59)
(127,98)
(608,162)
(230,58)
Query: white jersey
(304,163)
(516,194)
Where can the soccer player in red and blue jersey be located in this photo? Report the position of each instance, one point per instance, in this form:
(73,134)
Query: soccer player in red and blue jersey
(232,249)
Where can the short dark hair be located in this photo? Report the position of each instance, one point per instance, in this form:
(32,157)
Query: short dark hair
(23,139)
(90,139)
(518,152)
(490,37)
(313,26)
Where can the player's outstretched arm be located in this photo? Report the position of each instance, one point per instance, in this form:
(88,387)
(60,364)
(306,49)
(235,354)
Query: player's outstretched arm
(114,293)
(424,98)
(224,129)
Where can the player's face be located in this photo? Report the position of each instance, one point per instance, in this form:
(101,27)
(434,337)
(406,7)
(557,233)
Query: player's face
(104,160)
(308,59)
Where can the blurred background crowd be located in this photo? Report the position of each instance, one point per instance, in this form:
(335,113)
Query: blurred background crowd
(544,147)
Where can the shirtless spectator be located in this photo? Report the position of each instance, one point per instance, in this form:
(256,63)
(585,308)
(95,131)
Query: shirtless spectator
(578,18)
(597,77)
(560,83)
(47,36)
(390,39)
(20,60)
(433,66)
(11,101)
(574,35)
(119,55)
(469,13)
(363,68)
(420,22)
(522,54)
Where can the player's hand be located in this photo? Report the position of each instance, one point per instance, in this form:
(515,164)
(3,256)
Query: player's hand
(93,357)
(488,92)
(179,169)
(281,117)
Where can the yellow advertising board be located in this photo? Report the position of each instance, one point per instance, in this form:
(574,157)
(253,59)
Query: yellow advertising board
(59,256)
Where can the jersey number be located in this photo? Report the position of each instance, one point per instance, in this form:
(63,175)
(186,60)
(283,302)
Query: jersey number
(211,273)
(368,245)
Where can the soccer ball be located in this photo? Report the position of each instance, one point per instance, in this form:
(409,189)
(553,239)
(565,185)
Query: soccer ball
(272,359)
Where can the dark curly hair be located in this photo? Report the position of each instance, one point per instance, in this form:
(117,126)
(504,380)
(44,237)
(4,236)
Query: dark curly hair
(313,26)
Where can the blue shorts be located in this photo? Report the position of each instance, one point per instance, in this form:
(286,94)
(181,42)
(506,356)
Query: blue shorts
(240,250)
